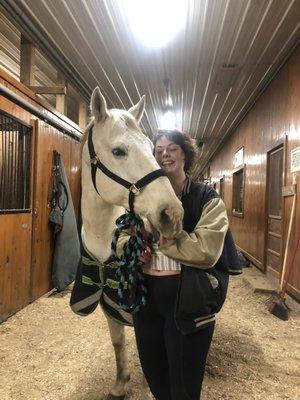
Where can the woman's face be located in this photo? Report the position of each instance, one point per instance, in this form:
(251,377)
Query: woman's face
(169,156)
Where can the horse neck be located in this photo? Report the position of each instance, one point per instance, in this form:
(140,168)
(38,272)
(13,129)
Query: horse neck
(98,219)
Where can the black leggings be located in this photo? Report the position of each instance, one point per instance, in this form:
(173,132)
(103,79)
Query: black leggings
(173,363)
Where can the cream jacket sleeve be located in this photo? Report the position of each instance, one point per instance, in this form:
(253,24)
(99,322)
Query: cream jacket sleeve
(203,246)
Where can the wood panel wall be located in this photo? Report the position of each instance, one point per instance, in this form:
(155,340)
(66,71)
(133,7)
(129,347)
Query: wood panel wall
(48,140)
(26,254)
(15,261)
(272,121)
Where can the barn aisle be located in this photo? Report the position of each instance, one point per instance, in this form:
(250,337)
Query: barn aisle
(48,353)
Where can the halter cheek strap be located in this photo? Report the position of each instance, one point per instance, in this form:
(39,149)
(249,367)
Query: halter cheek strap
(134,188)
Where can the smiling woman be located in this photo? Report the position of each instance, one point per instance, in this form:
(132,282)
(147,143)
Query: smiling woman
(186,279)
(170,141)
(169,155)
(155,22)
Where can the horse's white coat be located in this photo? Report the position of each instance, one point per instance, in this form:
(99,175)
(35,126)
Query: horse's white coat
(117,130)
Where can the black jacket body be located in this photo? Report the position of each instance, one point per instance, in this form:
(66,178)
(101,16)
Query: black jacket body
(197,299)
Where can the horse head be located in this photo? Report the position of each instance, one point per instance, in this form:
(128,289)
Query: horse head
(119,146)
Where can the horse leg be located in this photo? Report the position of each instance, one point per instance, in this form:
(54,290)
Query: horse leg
(117,335)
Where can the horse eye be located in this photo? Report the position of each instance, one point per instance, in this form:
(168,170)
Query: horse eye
(118,152)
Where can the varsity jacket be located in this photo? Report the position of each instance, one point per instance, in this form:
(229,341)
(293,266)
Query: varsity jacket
(207,254)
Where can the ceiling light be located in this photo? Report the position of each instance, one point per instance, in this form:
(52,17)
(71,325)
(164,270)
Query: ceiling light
(155,22)
(168,120)
(169,101)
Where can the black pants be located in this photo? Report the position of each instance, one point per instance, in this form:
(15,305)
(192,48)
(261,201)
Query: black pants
(173,363)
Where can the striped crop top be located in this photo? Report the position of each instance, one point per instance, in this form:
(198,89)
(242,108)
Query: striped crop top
(160,262)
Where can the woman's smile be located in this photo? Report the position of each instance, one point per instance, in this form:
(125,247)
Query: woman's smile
(167,162)
(169,156)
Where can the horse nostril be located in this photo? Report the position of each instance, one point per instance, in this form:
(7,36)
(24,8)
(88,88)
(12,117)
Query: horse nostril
(170,220)
(164,216)
(171,214)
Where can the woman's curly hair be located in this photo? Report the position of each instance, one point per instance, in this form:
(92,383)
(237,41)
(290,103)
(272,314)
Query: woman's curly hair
(184,141)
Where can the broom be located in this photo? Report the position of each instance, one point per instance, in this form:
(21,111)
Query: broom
(278,307)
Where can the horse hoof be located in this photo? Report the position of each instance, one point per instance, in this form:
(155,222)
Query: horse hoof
(112,397)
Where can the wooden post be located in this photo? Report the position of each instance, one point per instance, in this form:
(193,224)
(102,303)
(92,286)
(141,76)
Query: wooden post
(82,114)
(61,104)
(27,62)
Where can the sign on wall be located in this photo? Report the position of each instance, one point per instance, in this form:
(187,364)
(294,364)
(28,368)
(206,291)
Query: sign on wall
(295,160)
(238,158)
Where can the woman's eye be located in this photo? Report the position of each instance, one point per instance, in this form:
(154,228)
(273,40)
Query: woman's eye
(118,152)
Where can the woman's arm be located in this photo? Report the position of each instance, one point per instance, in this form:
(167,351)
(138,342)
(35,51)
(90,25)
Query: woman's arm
(203,247)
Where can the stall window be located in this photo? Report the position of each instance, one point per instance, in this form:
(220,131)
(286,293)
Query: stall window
(238,192)
(15,153)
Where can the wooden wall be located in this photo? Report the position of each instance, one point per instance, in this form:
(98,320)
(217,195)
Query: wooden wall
(49,139)
(26,253)
(272,121)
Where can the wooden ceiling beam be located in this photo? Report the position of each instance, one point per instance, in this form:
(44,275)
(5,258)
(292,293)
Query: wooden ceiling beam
(61,104)
(49,89)
(27,61)
(82,114)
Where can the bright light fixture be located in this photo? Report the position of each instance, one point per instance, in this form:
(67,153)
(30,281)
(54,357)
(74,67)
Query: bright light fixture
(169,101)
(168,120)
(155,22)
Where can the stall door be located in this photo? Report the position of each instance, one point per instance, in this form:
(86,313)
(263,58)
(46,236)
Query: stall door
(48,139)
(274,211)
(219,187)
(222,188)
(15,213)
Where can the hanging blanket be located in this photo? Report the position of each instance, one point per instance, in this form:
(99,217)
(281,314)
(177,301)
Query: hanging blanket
(65,234)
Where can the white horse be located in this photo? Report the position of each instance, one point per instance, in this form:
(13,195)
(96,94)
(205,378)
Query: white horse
(122,148)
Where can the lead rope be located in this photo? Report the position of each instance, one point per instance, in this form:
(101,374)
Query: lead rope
(131,291)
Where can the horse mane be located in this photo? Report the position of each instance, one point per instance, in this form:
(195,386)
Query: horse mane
(86,131)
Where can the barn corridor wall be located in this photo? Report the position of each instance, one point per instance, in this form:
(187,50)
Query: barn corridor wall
(274,120)
(26,253)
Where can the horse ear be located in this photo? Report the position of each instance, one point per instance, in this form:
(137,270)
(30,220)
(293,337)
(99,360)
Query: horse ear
(98,105)
(138,110)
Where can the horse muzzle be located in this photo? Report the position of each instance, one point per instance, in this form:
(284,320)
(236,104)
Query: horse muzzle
(170,221)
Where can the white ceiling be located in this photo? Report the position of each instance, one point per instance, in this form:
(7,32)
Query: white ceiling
(216,67)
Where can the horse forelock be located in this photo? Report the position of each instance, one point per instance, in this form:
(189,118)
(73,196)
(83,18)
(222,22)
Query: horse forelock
(125,117)
(132,129)
(115,123)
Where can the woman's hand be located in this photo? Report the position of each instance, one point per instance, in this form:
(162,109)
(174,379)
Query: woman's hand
(145,256)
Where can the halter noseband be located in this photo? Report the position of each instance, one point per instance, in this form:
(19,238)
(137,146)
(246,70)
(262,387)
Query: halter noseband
(134,188)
